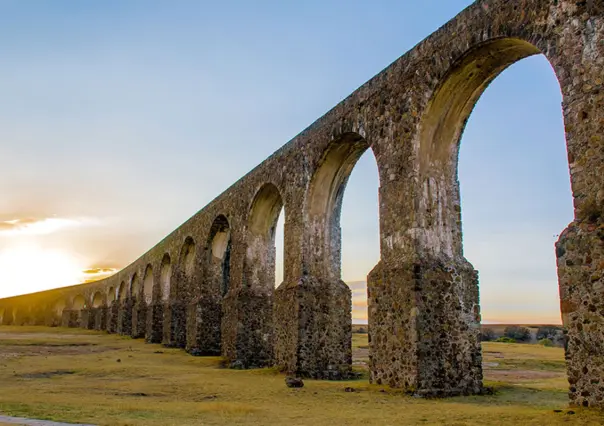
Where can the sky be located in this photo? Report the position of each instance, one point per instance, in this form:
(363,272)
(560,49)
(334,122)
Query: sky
(121,119)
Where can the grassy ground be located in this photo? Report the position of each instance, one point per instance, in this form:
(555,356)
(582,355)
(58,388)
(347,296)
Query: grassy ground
(82,376)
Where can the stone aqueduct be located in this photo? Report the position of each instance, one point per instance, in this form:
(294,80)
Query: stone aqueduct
(209,286)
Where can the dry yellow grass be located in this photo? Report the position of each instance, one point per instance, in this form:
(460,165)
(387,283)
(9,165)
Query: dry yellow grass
(43,375)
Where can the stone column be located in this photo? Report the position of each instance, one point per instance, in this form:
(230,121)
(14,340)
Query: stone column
(113,314)
(124,325)
(175,333)
(312,308)
(247,308)
(204,318)
(155,322)
(139,319)
(579,65)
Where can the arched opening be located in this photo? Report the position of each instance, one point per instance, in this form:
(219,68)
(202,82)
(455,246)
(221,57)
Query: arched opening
(337,301)
(135,287)
(148,285)
(187,257)
(496,230)
(110,296)
(165,275)
(261,255)
(219,249)
(1,316)
(79,303)
(122,292)
(59,307)
(325,203)
(97,300)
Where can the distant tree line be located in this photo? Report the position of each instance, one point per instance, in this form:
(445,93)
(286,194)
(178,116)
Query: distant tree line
(548,335)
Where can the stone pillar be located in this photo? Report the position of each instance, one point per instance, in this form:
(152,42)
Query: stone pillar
(139,319)
(70,318)
(100,320)
(424,328)
(204,319)
(175,332)
(312,308)
(580,258)
(247,328)
(313,328)
(124,325)
(579,65)
(155,323)
(86,318)
(113,314)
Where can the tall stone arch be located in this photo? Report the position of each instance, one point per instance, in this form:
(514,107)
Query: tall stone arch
(124,322)
(204,335)
(248,310)
(313,315)
(424,308)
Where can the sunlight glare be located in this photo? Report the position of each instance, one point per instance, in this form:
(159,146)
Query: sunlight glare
(28,268)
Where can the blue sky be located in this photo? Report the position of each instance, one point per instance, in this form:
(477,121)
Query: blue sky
(120,119)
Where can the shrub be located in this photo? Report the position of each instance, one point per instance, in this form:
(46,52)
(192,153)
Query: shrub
(548,332)
(505,339)
(521,334)
(546,342)
(487,335)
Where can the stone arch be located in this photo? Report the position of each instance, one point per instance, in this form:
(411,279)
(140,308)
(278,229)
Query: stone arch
(260,254)
(435,264)
(98,300)
(324,202)
(111,296)
(187,257)
(122,291)
(441,127)
(165,278)
(78,303)
(148,285)
(135,287)
(59,306)
(218,247)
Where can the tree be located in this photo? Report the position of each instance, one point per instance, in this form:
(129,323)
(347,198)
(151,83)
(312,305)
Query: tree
(518,333)
(487,335)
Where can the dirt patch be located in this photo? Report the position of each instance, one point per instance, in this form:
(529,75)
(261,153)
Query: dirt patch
(520,375)
(46,374)
(17,351)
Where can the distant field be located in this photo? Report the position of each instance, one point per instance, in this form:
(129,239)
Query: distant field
(82,376)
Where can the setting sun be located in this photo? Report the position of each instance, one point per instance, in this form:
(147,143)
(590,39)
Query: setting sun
(28,268)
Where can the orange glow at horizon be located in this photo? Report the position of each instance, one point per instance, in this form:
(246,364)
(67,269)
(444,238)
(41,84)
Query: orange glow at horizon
(27,268)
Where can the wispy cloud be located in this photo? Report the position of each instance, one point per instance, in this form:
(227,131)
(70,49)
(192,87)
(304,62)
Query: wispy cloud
(42,226)
(95,274)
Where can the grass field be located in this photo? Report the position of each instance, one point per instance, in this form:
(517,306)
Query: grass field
(82,376)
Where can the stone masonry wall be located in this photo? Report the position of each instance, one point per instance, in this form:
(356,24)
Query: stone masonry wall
(424,308)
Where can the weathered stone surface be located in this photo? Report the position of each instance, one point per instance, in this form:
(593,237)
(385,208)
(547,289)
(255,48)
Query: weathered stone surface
(214,276)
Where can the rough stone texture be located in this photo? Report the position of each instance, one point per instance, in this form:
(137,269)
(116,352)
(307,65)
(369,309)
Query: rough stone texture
(155,323)
(213,276)
(124,317)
